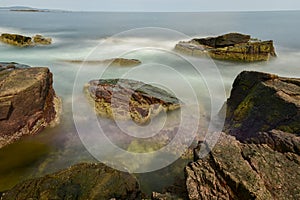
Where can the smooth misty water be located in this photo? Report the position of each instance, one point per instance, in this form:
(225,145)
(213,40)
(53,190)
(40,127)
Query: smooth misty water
(77,35)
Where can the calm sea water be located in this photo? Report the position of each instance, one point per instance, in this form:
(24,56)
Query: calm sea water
(77,35)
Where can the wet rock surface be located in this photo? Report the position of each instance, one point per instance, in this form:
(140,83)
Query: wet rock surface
(24,41)
(231,46)
(128,99)
(28,102)
(82,181)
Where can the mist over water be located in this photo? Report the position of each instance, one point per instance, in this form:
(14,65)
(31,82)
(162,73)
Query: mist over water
(77,36)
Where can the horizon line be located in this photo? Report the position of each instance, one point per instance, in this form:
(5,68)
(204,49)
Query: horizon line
(148,11)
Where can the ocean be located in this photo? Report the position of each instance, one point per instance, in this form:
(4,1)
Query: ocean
(149,37)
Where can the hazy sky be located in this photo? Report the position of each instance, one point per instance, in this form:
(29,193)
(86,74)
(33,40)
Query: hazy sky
(158,5)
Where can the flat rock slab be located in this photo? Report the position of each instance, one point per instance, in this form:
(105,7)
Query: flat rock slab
(128,99)
(81,182)
(231,46)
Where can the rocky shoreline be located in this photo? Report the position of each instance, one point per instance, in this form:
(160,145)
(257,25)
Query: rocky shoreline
(257,155)
(250,160)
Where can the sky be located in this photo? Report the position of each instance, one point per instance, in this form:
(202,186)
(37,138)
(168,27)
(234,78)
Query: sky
(158,5)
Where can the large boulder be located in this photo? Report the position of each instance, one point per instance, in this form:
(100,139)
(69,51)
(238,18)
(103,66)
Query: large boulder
(28,102)
(231,46)
(24,41)
(81,182)
(261,102)
(128,99)
(234,170)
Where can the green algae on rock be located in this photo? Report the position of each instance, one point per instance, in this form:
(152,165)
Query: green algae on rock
(82,181)
(125,99)
(261,102)
(28,103)
(231,46)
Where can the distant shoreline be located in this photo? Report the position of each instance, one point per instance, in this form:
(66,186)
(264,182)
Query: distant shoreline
(29,10)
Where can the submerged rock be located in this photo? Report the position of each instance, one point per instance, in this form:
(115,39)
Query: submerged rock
(244,171)
(128,99)
(11,66)
(231,46)
(261,102)
(114,62)
(24,41)
(28,102)
(82,181)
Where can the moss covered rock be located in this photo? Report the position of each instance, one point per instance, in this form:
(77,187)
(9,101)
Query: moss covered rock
(262,102)
(82,181)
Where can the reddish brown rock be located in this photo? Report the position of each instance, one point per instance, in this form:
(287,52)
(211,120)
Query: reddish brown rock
(234,170)
(128,99)
(28,103)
